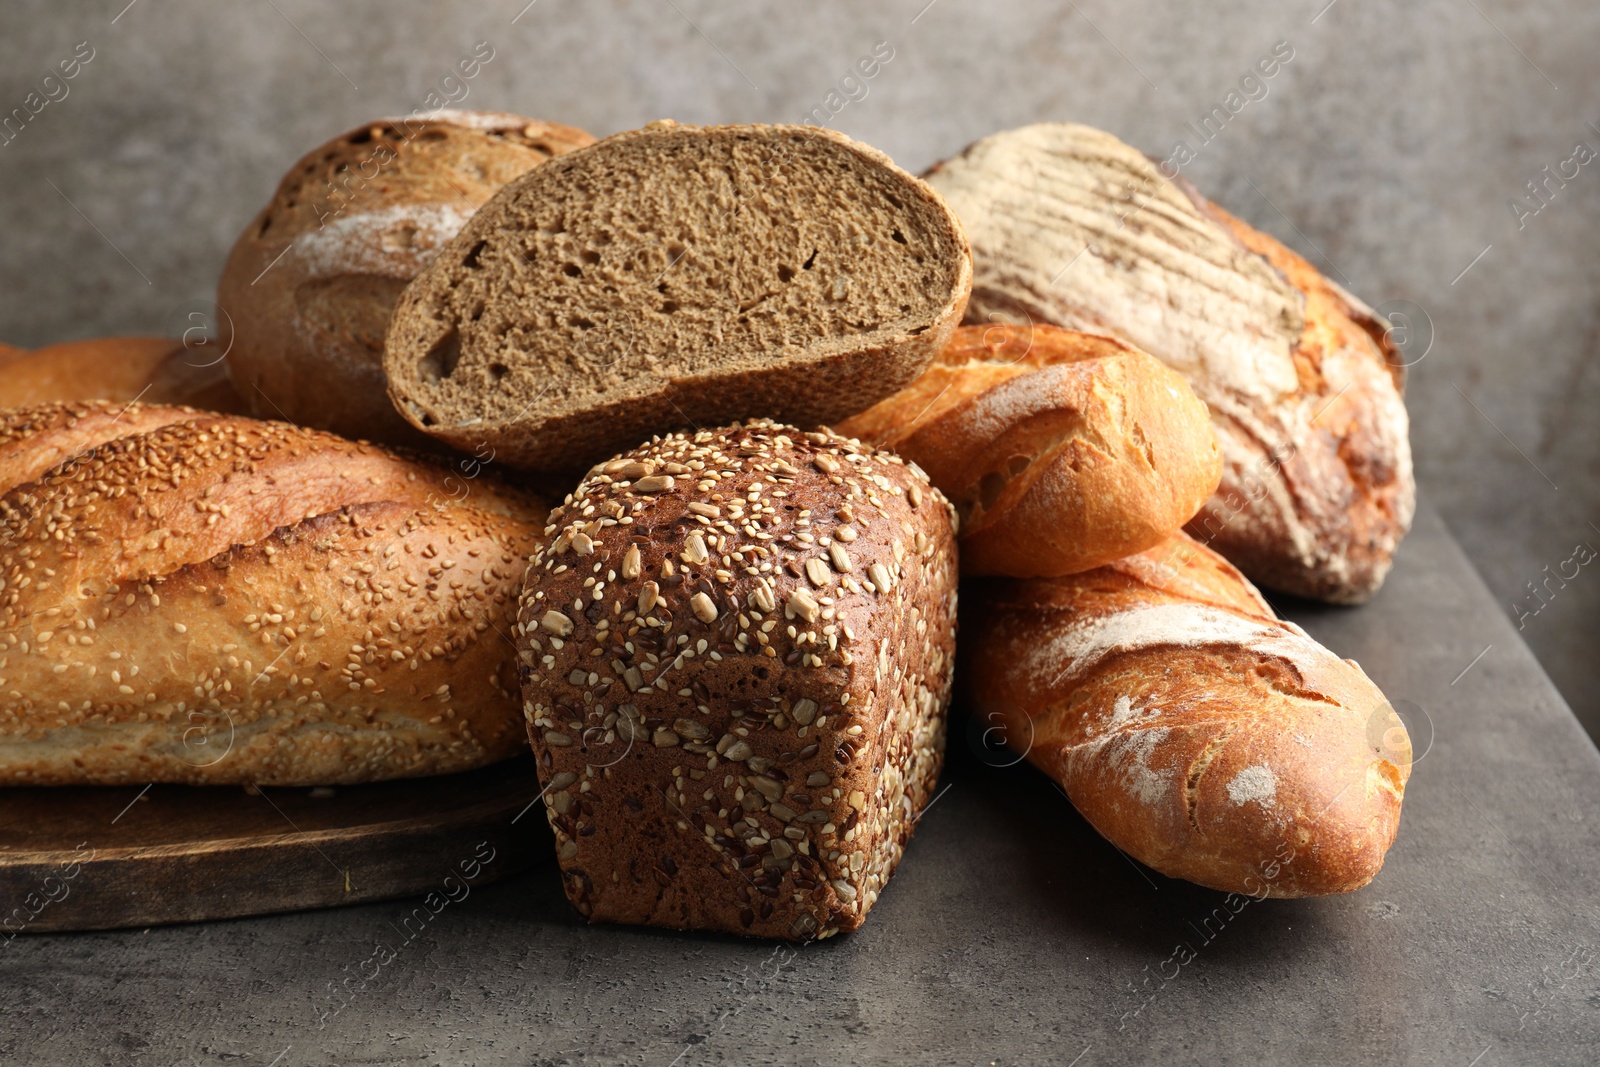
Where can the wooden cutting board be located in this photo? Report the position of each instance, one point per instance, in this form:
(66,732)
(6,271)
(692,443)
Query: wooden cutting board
(99,858)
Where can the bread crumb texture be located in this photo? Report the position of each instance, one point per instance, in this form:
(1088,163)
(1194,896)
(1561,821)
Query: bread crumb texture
(677,275)
(737,648)
(189,597)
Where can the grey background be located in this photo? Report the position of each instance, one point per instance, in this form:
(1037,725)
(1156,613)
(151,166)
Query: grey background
(1386,151)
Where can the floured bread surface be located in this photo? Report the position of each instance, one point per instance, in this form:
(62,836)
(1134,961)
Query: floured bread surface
(678,275)
(1070,226)
(1200,734)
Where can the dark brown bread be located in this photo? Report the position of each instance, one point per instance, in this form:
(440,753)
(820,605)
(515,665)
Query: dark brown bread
(1196,731)
(677,276)
(1061,451)
(156,370)
(737,649)
(201,598)
(311,282)
(1073,227)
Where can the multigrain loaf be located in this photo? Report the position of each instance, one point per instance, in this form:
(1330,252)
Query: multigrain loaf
(311,282)
(1070,226)
(156,370)
(1062,451)
(200,598)
(1196,731)
(677,276)
(737,652)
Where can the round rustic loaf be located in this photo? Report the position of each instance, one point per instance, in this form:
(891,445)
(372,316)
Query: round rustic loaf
(211,599)
(310,284)
(156,370)
(737,649)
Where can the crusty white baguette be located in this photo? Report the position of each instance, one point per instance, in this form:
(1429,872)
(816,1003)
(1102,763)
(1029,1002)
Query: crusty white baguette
(1197,732)
(1061,450)
(199,598)
(1071,226)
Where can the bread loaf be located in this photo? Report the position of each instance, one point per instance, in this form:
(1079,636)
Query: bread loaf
(211,599)
(310,284)
(1197,732)
(677,276)
(737,650)
(1070,226)
(1061,451)
(157,370)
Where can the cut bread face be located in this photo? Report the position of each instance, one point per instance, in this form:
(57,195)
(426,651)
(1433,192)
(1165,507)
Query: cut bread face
(676,276)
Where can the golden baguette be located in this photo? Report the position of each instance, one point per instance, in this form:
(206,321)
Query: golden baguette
(1061,450)
(1196,731)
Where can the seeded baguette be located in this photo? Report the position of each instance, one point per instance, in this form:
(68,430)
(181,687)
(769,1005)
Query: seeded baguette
(156,370)
(211,599)
(1062,451)
(1196,731)
(676,276)
(737,653)
(1071,226)
(311,282)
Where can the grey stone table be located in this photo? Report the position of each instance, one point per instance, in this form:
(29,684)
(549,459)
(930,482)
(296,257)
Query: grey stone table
(1012,933)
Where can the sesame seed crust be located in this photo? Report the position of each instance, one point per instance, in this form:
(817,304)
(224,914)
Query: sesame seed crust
(726,742)
(221,600)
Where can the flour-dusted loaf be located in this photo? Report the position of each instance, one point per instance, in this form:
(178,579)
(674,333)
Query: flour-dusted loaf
(189,597)
(1070,226)
(311,282)
(1061,451)
(1196,731)
(737,653)
(678,276)
(156,370)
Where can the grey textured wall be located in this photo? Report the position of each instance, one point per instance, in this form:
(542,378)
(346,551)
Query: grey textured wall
(1388,150)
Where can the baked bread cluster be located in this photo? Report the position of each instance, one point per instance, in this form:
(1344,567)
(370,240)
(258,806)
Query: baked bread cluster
(732,647)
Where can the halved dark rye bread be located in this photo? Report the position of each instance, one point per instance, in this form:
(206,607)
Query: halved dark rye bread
(677,276)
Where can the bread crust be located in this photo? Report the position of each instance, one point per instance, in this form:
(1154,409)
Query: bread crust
(1197,732)
(197,598)
(1070,226)
(736,684)
(310,283)
(156,370)
(1062,451)
(824,383)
